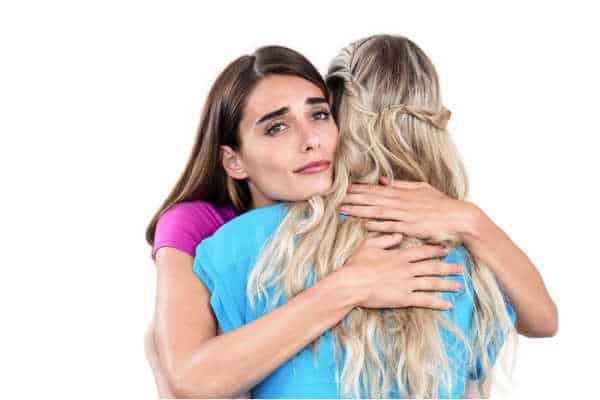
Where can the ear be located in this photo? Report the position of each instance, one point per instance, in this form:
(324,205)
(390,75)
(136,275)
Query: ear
(232,163)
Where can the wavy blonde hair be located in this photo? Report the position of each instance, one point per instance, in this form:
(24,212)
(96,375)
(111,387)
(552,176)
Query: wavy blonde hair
(394,346)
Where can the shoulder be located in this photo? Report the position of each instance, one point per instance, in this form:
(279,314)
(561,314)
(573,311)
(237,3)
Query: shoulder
(263,219)
(195,215)
(195,209)
(244,234)
(186,224)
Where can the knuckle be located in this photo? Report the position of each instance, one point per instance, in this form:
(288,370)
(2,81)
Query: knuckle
(431,250)
(405,299)
(450,268)
(358,197)
(413,269)
(443,267)
(428,284)
(394,226)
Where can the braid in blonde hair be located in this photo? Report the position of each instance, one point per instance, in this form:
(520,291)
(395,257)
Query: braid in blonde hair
(397,347)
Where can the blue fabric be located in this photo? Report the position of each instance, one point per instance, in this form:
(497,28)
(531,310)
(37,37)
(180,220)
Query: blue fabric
(223,262)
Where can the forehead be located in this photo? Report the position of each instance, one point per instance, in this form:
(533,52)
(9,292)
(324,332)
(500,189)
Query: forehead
(276,91)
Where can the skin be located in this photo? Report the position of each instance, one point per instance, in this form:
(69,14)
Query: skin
(417,209)
(273,148)
(184,346)
(188,355)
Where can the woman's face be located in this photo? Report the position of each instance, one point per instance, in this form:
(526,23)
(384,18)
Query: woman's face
(288,140)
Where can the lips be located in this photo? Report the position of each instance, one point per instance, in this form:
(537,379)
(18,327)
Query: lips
(314,166)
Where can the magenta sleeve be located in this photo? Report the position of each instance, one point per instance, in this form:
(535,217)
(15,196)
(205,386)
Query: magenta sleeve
(184,225)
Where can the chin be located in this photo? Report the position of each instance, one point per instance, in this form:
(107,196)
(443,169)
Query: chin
(308,190)
(318,190)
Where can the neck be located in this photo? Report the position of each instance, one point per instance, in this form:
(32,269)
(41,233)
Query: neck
(259,199)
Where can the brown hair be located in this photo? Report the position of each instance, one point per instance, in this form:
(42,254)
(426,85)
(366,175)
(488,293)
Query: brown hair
(203,177)
(379,349)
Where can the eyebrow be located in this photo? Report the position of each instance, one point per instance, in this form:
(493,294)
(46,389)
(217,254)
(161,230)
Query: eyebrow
(284,110)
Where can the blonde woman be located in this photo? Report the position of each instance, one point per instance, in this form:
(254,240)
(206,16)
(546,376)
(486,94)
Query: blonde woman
(224,264)
(251,109)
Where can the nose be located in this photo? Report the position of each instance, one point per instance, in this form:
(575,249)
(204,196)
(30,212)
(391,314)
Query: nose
(310,139)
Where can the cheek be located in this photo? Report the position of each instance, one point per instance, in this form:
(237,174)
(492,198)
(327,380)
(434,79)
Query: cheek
(269,168)
(272,177)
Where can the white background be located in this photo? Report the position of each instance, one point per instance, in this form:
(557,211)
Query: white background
(99,103)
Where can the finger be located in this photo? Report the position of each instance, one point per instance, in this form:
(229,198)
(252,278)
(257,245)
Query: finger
(425,252)
(399,195)
(374,212)
(387,227)
(405,228)
(414,192)
(433,284)
(402,184)
(432,267)
(376,189)
(369,200)
(428,301)
(384,241)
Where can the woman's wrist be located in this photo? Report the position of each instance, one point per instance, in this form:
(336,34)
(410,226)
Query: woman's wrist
(482,236)
(346,286)
(472,224)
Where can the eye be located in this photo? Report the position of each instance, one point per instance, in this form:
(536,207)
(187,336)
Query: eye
(321,115)
(275,128)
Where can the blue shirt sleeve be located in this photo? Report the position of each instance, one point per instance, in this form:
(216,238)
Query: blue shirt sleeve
(222,279)
(491,350)
(224,261)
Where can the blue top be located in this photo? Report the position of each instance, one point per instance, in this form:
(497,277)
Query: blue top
(223,262)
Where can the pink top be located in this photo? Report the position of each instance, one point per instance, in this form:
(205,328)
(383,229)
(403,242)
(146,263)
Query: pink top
(184,225)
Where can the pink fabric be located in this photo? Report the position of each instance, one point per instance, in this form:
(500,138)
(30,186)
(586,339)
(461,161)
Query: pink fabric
(185,225)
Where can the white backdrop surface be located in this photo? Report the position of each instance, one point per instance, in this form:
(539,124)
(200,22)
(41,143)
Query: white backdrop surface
(99,102)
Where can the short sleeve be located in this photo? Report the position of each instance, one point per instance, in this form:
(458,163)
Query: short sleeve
(186,224)
(464,309)
(227,292)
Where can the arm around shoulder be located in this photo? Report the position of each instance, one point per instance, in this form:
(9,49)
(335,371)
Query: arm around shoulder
(199,363)
(183,319)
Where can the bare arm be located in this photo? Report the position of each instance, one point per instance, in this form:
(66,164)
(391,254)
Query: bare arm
(193,355)
(417,209)
(537,315)
(198,363)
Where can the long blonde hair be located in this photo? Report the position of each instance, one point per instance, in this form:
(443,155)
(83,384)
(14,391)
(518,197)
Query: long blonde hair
(374,81)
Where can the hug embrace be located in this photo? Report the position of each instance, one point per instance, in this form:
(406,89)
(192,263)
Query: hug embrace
(319,242)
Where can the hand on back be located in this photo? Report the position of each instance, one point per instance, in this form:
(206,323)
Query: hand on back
(390,277)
